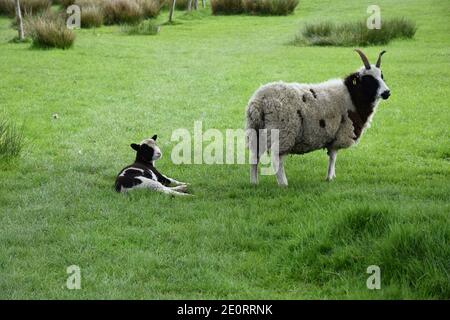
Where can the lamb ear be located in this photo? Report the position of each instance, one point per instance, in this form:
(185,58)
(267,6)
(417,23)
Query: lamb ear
(135,146)
(155,137)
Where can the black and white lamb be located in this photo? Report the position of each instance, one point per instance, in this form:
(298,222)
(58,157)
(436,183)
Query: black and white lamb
(331,115)
(143,174)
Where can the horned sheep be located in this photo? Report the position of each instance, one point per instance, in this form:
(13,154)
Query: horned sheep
(331,115)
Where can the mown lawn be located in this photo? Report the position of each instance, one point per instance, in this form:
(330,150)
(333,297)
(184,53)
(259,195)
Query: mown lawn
(389,205)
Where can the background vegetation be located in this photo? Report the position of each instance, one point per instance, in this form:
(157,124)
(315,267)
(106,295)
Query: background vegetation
(27,6)
(48,31)
(389,205)
(355,33)
(255,7)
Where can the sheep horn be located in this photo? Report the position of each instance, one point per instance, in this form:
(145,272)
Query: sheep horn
(364,59)
(379,59)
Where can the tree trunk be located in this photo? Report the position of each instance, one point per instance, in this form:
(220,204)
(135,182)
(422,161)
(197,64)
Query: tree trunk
(19,20)
(195,4)
(189,5)
(203,3)
(172,9)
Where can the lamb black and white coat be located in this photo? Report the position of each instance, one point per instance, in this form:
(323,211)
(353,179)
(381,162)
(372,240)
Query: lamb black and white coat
(331,115)
(143,174)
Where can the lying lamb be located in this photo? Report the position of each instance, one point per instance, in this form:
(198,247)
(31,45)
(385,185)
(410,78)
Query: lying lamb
(331,115)
(143,174)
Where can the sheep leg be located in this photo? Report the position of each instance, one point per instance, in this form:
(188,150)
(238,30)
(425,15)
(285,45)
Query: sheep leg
(157,186)
(331,164)
(172,191)
(180,188)
(255,156)
(175,182)
(281,175)
(254,166)
(254,173)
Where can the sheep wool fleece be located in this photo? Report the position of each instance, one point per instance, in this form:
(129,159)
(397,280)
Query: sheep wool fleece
(308,116)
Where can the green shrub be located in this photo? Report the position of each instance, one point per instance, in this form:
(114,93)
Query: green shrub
(182,4)
(270,7)
(144,28)
(91,16)
(227,6)
(256,7)
(50,33)
(28,7)
(64,3)
(11,139)
(122,11)
(354,33)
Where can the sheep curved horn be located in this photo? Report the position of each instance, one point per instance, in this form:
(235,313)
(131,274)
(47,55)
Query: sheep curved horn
(364,59)
(379,59)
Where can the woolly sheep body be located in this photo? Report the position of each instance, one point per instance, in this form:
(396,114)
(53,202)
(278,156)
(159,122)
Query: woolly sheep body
(308,116)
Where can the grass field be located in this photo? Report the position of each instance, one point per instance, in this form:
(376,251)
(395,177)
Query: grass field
(389,205)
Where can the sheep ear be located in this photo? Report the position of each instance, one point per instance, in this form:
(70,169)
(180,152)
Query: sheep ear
(155,137)
(135,146)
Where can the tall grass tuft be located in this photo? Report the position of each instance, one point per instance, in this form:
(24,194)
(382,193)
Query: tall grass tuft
(227,7)
(270,7)
(11,139)
(144,28)
(355,33)
(254,7)
(66,3)
(122,11)
(7,7)
(91,16)
(110,12)
(29,7)
(150,8)
(50,33)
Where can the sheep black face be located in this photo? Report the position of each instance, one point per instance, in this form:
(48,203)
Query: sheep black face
(147,150)
(372,79)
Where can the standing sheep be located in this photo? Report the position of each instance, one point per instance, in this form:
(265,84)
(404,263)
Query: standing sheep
(308,117)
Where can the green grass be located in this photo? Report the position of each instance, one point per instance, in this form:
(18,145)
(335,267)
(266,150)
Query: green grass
(327,33)
(389,205)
